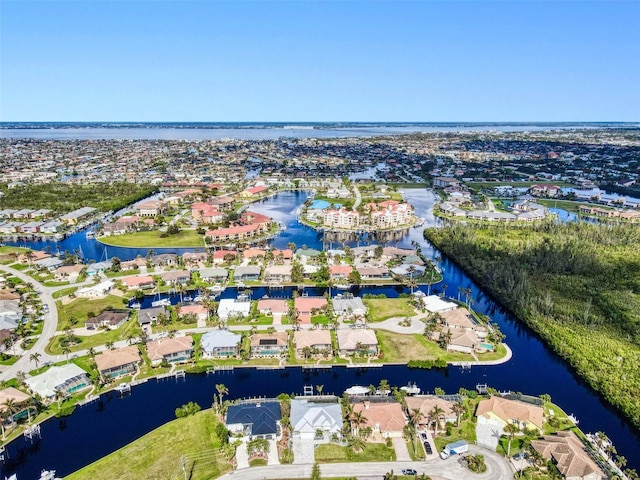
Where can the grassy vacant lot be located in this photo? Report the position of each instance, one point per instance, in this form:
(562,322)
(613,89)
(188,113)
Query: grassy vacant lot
(157,454)
(399,348)
(80,307)
(384,308)
(186,238)
(373,452)
(130,327)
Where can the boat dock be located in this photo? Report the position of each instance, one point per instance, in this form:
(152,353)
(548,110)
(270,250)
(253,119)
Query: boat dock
(177,374)
(364,366)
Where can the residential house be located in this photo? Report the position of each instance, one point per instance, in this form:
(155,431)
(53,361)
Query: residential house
(317,341)
(248,273)
(253,192)
(255,419)
(69,273)
(49,263)
(218,274)
(349,305)
(171,350)
(435,304)
(221,256)
(53,226)
(109,319)
(96,291)
(235,308)
(194,259)
(138,282)
(73,218)
(277,274)
(309,418)
(269,344)
(386,419)
(495,413)
(356,341)
(250,253)
(115,228)
(308,306)
(164,260)
(119,362)
(426,403)
(445,182)
(238,233)
(66,379)
(374,273)
(200,312)
(148,316)
(19,399)
(544,190)
(340,272)
(569,455)
(176,277)
(206,213)
(273,306)
(220,344)
(151,208)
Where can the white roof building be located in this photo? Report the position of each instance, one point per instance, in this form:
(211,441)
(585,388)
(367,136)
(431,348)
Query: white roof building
(99,290)
(68,378)
(230,307)
(307,418)
(435,304)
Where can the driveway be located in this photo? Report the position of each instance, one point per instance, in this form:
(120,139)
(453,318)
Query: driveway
(304,451)
(402,453)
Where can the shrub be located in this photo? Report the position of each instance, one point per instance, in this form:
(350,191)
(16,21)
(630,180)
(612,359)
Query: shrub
(187,409)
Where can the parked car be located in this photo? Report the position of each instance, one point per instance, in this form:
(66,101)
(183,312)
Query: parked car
(427,448)
(409,471)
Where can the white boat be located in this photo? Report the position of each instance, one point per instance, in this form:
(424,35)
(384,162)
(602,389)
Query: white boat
(135,305)
(163,302)
(48,475)
(90,234)
(411,389)
(240,285)
(343,286)
(217,288)
(357,391)
(187,299)
(197,298)
(122,387)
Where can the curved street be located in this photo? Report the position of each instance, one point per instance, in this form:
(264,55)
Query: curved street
(451,469)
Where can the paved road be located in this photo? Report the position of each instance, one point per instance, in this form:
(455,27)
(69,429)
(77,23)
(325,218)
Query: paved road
(356,191)
(451,469)
(50,325)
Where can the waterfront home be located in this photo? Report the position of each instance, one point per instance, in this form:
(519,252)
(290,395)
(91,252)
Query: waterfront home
(252,192)
(250,253)
(247,273)
(465,341)
(19,399)
(238,233)
(374,273)
(314,341)
(31,227)
(68,273)
(164,260)
(357,341)
(255,418)
(426,403)
(53,226)
(273,306)
(435,304)
(308,306)
(96,291)
(220,344)
(151,208)
(49,263)
(544,190)
(386,419)
(10,227)
(235,308)
(171,350)
(216,274)
(66,379)
(269,344)
(199,312)
(349,305)
(115,228)
(286,254)
(134,264)
(445,182)
(194,259)
(148,316)
(277,273)
(495,413)
(119,362)
(305,253)
(223,202)
(221,256)
(569,455)
(73,218)
(409,271)
(176,277)
(107,319)
(340,272)
(317,421)
(206,213)
(98,267)
(138,281)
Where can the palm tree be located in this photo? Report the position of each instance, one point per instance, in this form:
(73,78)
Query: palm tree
(357,418)
(416,416)
(384,387)
(511,429)
(356,443)
(434,416)
(110,345)
(35,358)
(444,289)
(91,352)
(458,408)
(620,461)
(222,390)
(319,389)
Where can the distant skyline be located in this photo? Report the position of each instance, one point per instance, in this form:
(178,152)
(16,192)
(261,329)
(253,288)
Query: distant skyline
(297,61)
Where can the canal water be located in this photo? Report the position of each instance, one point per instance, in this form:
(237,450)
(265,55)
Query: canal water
(101,427)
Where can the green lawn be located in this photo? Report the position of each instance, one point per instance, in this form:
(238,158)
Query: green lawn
(384,308)
(186,238)
(63,292)
(158,454)
(106,336)
(567,205)
(399,348)
(374,452)
(81,307)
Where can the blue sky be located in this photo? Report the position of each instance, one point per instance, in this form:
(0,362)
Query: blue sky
(319,61)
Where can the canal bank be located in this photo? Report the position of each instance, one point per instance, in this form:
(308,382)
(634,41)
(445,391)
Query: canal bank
(534,369)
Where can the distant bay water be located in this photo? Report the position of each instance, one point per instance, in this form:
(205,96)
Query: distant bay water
(261,131)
